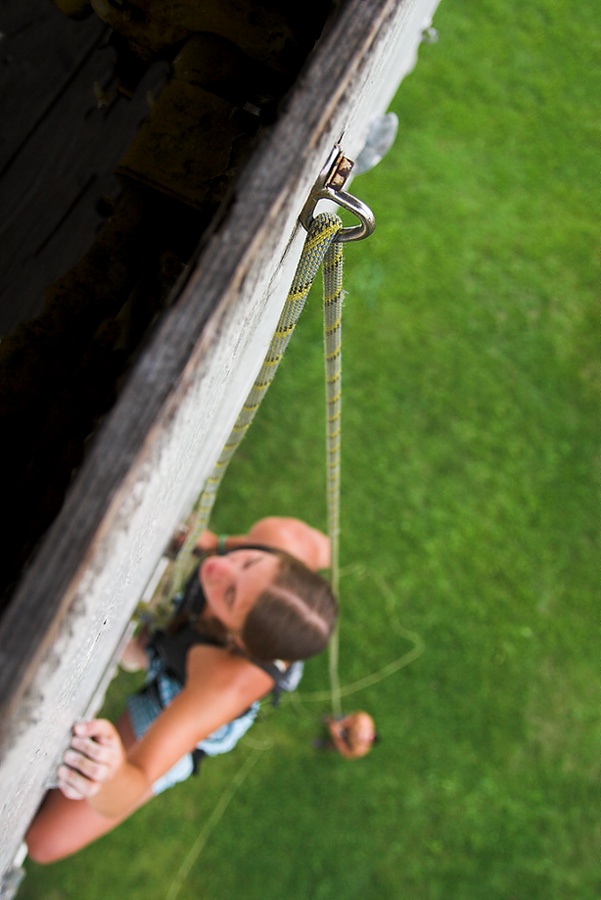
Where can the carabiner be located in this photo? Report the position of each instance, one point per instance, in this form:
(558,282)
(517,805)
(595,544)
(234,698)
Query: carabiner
(329,187)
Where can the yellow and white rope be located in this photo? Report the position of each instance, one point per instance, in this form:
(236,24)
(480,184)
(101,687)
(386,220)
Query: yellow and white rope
(320,238)
(332,330)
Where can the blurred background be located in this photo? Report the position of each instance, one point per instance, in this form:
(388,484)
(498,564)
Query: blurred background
(469,546)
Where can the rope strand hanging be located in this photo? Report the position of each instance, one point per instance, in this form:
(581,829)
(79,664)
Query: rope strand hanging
(332,330)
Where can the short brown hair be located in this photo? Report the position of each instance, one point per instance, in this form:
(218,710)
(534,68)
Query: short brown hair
(294,618)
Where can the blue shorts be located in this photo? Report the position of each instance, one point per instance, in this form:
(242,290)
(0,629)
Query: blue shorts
(143,710)
(145,707)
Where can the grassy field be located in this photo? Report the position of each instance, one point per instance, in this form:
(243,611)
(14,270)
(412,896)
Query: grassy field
(469,519)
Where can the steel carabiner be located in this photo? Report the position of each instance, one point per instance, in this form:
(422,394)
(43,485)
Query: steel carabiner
(328,186)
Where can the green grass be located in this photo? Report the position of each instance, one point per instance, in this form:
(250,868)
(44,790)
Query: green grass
(469,517)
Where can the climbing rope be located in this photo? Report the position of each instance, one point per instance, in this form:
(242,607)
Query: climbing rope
(379,586)
(332,329)
(212,822)
(320,247)
(320,238)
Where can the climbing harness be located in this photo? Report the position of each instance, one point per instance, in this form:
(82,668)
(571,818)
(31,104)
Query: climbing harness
(325,235)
